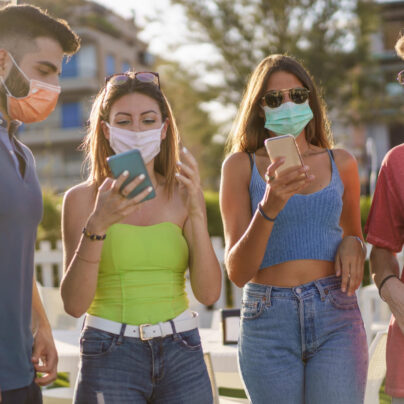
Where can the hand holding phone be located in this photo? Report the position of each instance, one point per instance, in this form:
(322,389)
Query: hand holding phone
(131,161)
(284,146)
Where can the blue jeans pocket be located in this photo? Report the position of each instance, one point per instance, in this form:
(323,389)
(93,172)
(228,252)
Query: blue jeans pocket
(341,300)
(251,306)
(190,340)
(94,342)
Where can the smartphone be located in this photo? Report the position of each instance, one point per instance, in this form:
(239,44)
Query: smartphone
(284,146)
(133,162)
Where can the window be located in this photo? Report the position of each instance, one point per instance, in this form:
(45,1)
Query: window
(70,67)
(71,115)
(87,63)
(109,65)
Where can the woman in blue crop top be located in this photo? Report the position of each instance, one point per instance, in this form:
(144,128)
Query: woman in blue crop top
(294,241)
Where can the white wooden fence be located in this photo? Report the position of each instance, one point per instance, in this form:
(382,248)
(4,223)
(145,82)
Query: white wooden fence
(49,272)
(375,313)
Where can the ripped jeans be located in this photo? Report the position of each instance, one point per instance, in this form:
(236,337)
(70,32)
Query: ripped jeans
(122,370)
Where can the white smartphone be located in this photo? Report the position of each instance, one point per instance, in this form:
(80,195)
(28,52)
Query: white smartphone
(284,146)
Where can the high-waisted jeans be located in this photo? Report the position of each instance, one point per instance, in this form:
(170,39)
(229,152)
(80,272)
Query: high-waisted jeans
(122,370)
(302,345)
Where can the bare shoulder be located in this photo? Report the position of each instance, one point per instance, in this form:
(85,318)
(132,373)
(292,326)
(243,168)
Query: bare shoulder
(237,165)
(345,161)
(80,196)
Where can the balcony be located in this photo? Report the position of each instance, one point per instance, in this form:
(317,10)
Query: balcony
(49,136)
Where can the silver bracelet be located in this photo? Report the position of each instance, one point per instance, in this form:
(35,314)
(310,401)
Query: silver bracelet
(363,245)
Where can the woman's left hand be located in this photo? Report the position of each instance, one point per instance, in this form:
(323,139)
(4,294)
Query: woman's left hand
(188,177)
(349,262)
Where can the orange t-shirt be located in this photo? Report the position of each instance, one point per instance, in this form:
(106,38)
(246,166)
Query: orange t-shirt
(385,229)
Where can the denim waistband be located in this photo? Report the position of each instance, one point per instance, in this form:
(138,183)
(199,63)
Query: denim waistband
(322,286)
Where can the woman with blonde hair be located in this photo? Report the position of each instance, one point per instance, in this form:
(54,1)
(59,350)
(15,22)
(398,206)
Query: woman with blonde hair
(125,259)
(294,241)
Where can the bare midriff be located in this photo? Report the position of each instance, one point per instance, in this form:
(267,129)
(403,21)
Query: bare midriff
(294,273)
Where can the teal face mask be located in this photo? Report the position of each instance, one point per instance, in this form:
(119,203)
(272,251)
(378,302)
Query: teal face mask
(289,118)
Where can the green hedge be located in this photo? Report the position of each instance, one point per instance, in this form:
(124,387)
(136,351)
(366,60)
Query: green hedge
(50,226)
(365,203)
(215,224)
(49,229)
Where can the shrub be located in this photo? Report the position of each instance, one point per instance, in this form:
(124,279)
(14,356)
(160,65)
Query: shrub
(50,226)
(215,224)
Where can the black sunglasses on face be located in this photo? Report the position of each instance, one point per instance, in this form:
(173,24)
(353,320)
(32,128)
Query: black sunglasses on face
(274,98)
(144,77)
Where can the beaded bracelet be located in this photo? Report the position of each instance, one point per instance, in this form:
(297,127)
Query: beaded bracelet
(264,215)
(383,282)
(94,237)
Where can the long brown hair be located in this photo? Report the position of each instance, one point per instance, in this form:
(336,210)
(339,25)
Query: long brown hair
(248,132)
(97,147)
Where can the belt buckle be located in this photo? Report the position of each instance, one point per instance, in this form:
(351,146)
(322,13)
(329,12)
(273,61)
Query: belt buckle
(142,337)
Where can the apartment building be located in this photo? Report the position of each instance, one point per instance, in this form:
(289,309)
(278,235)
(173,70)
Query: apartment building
(109,45)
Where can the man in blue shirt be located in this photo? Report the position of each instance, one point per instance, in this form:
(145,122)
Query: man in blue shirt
(32,47)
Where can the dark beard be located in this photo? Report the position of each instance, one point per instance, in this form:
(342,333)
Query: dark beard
(16,83)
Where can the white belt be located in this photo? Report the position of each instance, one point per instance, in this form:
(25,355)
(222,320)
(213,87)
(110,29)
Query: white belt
(186,321)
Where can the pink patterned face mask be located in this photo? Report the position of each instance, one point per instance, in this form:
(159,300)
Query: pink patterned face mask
(36,105)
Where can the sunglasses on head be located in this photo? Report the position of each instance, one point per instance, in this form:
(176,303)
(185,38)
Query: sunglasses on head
(144,77)
(274,98)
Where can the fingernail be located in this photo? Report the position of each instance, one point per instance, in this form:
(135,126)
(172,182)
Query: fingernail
(149,189)
(311,177)
(185,150)
(177,174)
(142,177)
(343,289)
(306,168)
(179,162)
(125,173)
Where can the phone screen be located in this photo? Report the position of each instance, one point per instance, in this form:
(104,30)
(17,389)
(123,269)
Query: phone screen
(284,146)
(133,162)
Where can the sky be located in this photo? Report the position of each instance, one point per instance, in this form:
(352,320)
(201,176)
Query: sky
(163,38)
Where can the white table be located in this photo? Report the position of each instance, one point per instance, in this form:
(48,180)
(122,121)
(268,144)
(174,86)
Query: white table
(224,357)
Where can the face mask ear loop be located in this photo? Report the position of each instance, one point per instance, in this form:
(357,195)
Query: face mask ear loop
(18,67)
(4,85)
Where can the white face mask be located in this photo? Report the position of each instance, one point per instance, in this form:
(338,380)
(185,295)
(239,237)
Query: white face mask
(147,142)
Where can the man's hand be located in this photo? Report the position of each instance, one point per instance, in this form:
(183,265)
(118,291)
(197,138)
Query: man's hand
(393,293)
(44,356)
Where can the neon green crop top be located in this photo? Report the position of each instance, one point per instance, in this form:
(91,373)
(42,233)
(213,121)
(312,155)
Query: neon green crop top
(141,276)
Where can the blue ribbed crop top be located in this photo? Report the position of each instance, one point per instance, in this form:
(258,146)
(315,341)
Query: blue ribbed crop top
(308,226)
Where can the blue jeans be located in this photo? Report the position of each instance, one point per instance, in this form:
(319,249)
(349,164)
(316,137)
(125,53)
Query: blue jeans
(305,344)
(122,370)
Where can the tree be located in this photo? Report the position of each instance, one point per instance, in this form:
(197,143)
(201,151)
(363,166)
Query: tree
(196,128)
(331,37)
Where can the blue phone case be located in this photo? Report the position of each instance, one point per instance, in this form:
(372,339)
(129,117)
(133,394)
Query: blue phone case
(133,162)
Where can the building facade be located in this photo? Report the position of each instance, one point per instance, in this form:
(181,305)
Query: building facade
(109,45)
